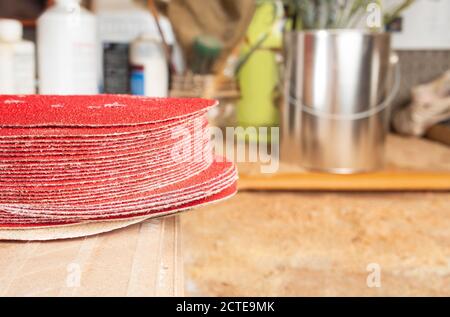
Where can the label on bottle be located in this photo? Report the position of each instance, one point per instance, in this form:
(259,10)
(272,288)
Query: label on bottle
(84,68)
(137,80)
(116,71)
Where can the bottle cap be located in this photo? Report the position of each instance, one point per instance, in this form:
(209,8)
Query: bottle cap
(10,30)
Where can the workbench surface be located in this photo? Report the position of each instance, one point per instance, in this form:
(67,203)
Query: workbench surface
(324,244)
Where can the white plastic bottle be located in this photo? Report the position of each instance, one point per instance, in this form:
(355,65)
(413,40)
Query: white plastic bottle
(149,69)
(17,66)
(67,50)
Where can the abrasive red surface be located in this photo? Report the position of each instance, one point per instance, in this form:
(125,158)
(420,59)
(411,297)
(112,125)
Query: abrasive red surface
(224,194)
(95,111)
(74,159)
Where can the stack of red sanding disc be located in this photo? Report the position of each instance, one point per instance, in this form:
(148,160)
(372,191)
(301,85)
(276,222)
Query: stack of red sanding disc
(67,160)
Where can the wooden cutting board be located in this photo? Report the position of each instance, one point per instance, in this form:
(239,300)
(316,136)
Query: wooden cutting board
(140,260)
(380,181)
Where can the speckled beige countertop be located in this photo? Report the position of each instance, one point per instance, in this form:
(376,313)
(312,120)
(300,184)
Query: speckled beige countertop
(303,243)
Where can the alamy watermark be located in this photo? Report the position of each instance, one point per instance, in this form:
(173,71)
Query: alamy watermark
(374,277)
(200,142)
(73,278)
(374,17)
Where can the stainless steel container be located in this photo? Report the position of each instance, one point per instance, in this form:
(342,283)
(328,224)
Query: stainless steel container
(337,91)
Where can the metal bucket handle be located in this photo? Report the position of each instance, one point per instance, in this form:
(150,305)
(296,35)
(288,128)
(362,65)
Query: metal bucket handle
(361,115)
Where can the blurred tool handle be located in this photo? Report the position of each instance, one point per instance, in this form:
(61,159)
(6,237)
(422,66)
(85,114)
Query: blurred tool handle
(152,7)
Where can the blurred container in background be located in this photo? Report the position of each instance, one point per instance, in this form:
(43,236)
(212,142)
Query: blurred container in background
(339,85)
(120,22)
(205,50)
(17,60)
(259,75)
(149,68)
(67,50)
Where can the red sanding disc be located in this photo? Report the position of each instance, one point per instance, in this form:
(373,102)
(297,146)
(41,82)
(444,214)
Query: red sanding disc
(76,159)
(95,111)
(226,193)
(217,173)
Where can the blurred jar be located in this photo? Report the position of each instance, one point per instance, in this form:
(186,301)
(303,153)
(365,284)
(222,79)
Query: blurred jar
(17,65)
(120,22)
